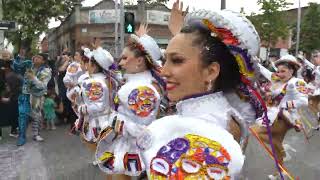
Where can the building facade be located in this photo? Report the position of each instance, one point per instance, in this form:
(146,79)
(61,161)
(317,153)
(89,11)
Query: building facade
(86,23)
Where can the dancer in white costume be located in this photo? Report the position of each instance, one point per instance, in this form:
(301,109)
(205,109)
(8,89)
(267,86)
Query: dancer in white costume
(314,95)
(287,94)
(74,71)
(96,108)
(138,105)
(204,61)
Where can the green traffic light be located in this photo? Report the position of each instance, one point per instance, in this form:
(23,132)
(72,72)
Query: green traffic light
(129,28)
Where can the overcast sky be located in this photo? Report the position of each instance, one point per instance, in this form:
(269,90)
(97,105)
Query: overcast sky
(235,5)
(250,5)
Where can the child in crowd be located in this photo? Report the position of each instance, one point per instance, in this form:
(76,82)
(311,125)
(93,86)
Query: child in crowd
(49,110)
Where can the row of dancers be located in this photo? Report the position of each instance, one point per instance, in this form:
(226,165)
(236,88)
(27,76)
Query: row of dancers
(185,113)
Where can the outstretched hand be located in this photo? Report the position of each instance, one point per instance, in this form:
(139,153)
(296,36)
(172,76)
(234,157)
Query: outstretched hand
(143,29)
(177,17)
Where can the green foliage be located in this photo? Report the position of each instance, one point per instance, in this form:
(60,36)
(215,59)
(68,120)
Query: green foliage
(271,23)
(33,17)
(310,29)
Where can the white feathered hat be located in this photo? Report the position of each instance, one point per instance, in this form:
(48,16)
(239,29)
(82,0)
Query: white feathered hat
(150,46)
(235,30)
(288,59)
(103,58)
(87,53)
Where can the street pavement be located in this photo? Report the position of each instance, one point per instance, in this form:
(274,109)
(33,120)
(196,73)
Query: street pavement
(63,157)
(60,157)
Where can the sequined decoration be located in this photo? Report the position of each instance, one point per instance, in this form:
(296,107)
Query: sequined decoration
(224,34)
(191,157)
(93,90)
(142,101)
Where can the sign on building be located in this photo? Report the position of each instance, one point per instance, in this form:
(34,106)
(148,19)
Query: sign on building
(103,16)
(158,17)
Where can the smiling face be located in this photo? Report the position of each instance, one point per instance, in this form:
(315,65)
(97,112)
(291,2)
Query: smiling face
(284,73)
(184,71)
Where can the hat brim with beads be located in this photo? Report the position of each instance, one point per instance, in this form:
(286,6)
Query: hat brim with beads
(288,59)
(148,45)
(233,29)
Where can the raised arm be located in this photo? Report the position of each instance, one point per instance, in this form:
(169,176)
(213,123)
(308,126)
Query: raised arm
(177,17)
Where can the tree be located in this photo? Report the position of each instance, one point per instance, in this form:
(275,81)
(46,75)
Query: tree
(310,29)
(33,18)
(271,23)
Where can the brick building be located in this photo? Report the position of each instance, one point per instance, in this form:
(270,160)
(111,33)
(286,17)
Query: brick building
(85,23)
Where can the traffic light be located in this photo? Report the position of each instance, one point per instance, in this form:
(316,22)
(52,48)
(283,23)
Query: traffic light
(129,22)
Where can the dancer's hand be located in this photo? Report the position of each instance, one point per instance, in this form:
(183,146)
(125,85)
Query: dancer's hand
(177,17)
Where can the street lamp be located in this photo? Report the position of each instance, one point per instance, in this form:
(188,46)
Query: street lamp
(267,26)
(298,28)
(223,4)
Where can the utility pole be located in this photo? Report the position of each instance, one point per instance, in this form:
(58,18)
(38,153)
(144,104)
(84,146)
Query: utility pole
(116,35)
(298,29)
(121,25)
(223,4)
(1,31)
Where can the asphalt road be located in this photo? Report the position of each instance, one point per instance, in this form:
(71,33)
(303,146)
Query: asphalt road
(63,157)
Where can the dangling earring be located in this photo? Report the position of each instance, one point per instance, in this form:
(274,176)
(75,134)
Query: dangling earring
(209,88)
(137,67)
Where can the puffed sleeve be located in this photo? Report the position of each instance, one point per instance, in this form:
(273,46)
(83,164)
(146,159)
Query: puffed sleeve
(95,96)
(265,72)
(72,74)
(139,107)
(143,103)
(296,95)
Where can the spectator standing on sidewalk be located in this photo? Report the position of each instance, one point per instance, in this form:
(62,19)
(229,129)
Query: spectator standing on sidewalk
(20,66)
(38,77)
(61,66)
(13,86)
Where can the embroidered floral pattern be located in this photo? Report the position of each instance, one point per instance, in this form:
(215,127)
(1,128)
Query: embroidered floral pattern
(73,68)
(301,87)
(93,90)
(142,101)
(191,157)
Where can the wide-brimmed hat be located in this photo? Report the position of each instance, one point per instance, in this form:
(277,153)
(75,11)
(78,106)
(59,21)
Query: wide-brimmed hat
(288,59)
(147,44)
(234,30)
(103,58)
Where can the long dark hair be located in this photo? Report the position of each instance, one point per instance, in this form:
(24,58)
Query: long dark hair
(213,50)
(229,78)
